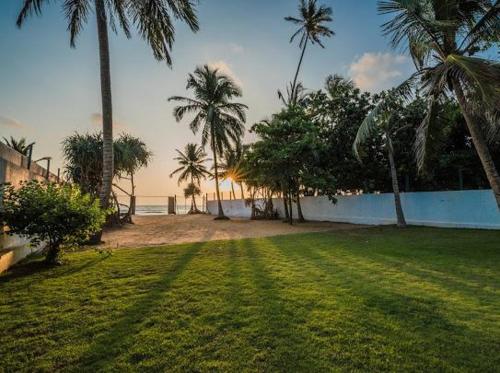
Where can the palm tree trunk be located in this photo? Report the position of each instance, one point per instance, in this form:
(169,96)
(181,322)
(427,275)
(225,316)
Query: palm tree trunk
(132,196)
(285,204)
(220,214)
(242,192)
(299,209)
(395,185)
(232,188)
(107,108)
(294,85)
(479,143)
(290,208)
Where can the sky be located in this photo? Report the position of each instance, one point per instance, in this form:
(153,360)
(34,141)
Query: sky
(49,90)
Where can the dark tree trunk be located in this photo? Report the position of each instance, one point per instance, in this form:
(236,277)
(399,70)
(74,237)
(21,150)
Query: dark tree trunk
(107,108)
(395,185)
(290,208)
(299,209)
(480,143)
(220,214)
(285,205)
(53,254)
(242,192)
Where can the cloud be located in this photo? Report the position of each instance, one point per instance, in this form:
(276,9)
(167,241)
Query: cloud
(10,122)
(225,68)
(236,48)
(375,72)
(96,120)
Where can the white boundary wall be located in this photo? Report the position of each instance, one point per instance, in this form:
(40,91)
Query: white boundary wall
(453,209)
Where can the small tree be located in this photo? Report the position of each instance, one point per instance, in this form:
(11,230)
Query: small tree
(59,216)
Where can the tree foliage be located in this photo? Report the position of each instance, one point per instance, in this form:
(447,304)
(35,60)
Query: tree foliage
(58,215)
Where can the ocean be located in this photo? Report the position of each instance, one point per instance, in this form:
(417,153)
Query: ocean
(148,206)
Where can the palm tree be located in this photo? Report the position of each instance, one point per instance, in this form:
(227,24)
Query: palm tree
(443,39)
(311,22)
(133,155)
(231,168)
(192,168)
(381,120)
(153,22)
(19,145)
(294,97)
(222,120)
(192,190)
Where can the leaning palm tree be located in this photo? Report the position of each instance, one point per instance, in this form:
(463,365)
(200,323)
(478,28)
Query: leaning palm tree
(311,22)
(443,38)
(18,145)
(153,22)
(381,121)
(192,168)
(221,120)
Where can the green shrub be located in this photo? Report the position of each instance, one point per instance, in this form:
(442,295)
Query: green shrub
(59,216)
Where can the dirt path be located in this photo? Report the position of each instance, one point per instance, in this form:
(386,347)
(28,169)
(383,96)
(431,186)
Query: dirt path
(161,230)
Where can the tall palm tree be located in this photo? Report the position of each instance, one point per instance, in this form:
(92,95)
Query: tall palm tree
(381,120)
(153,20)
(20,145)
(192,190)
(297,96)
(311,22)
(221,120)
(192,168)
(443,38)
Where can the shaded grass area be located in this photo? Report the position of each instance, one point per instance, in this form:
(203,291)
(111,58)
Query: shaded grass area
(374,299)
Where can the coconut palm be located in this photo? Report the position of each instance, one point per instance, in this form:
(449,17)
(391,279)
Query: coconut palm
(381,121)
(221,121)
(443,38)
(192,190)
(19,145)
(133,155)
(192,168)
(311,22)
(293,97)
(153,20)
(231,168)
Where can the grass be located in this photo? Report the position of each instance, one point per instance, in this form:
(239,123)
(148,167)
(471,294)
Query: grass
(373,300)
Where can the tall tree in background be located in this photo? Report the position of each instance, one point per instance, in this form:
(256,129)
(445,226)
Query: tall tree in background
(381,121)
(192,168)
(443,37)
(153,20)
(221,120)
(311,21)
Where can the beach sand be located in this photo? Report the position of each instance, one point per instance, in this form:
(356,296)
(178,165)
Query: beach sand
(174,229)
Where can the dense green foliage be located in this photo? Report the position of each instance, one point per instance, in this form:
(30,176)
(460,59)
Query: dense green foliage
(52,214)
(374,299)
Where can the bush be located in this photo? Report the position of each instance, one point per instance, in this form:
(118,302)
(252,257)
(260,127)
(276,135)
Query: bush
(59,216)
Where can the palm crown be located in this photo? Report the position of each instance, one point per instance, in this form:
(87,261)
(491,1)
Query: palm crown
(444,38)
(192,164)
(222,120)
(151,18)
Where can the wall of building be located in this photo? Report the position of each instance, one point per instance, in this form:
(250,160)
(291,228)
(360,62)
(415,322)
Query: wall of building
(453,209)
(14,170)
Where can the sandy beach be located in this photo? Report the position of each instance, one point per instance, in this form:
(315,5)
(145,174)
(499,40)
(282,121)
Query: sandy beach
(173,229)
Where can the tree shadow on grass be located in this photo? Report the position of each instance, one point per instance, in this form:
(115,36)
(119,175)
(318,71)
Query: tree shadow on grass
(281,340)
(120,336)
(36,265)
(417,326)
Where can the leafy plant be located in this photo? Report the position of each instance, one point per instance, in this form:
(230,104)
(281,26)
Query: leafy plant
(20,145)
(59,216)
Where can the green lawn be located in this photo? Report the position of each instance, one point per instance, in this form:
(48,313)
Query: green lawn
(372,299)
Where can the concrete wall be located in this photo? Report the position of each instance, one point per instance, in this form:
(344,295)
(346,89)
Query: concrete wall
(454,209)
(14,170)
